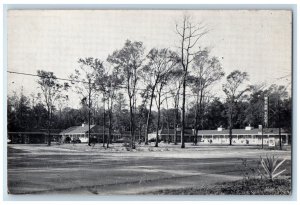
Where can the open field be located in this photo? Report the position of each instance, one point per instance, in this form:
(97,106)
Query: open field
(68,168)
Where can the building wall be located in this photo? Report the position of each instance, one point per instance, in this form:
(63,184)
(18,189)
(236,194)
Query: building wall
(243,139)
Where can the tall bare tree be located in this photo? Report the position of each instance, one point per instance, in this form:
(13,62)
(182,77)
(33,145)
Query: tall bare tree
(174,88)
(109,84)
(233,91)
(206,72)
(129,60)
(190,34)
(84,83)
(51,91)
(156,73)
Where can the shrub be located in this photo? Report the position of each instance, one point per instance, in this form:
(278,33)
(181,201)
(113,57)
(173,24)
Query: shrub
(270,165)
(240,187)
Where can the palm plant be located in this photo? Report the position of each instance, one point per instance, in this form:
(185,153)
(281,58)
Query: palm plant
(270,165)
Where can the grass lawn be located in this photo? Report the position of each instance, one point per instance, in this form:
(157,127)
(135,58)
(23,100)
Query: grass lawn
(80,169)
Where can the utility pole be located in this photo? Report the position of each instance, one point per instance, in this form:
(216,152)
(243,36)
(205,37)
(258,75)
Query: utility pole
(266,118)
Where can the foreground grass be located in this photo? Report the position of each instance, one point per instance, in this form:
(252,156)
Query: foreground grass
(241,187)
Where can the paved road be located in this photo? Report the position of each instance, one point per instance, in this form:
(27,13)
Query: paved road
(34,169)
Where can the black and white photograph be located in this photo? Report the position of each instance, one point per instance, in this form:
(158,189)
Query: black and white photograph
(149,102)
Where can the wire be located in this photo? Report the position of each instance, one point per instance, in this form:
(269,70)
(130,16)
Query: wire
(35,75)
(122,87)
(79,81)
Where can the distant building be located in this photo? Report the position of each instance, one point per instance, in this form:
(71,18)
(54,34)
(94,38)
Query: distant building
(80,134)
(249,135)
(75,134)
(168,135)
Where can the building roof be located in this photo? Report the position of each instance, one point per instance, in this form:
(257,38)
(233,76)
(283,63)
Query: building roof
(165,131)
(256,131)
(84,129)
(266,131)
(68,130)
(77,129)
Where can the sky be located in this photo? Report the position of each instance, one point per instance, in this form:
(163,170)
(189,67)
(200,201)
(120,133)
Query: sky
(257,42)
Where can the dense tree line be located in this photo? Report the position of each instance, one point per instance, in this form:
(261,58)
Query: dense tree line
(24,115)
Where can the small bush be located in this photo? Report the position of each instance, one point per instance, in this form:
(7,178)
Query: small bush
(270,166)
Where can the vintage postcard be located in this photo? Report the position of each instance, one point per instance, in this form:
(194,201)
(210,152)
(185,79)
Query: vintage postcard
(149,102)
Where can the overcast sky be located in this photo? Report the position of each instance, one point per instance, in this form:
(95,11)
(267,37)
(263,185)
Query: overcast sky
(258,42)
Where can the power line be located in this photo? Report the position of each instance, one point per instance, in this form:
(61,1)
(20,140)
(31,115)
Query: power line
(79,81)
(65,79)
(35,75)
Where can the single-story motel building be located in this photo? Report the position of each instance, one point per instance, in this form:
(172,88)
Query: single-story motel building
(247,136)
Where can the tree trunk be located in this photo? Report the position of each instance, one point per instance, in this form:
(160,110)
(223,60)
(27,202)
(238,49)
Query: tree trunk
(168,121)
(148,117)
(176,124)
(109,123)
(196,120)
(230,123)
(158,120)
(183,111)
(196,137)
(175,132)
(140,131)
(109,129)
(131,124)
(280,144)
(49,124)
(89,132)
(230,135)
(103,141)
